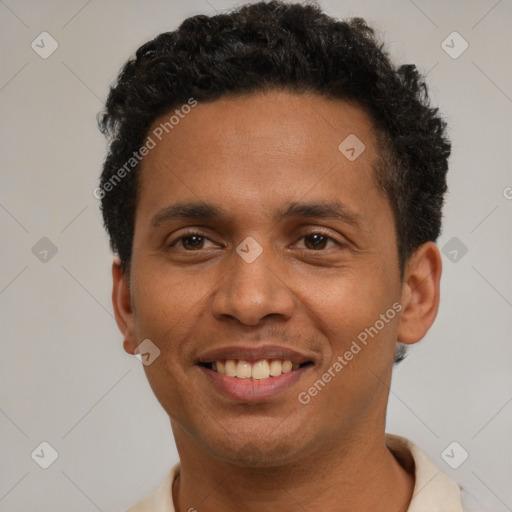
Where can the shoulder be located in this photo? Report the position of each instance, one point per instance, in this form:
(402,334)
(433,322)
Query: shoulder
(433,489)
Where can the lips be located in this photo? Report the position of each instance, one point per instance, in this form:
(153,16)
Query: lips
(256,373)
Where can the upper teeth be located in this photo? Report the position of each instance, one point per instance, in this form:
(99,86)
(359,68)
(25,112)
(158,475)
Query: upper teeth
(262,369)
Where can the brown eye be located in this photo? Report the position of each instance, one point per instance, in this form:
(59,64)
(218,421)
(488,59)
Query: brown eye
(190,241)
(315,241)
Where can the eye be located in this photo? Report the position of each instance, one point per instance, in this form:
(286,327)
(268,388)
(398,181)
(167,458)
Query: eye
(317,240)
(190,241)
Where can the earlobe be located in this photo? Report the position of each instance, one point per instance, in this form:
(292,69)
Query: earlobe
(121,300)
(420,293)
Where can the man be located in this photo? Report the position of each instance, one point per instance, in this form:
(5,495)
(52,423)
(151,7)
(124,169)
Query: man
(273,191)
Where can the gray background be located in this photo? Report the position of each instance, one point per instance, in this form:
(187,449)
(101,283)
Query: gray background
(64,376)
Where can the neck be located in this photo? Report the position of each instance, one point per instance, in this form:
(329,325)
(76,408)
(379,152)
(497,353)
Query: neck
(354,474)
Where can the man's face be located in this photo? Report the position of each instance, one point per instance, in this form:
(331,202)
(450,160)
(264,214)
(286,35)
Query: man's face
(318,283)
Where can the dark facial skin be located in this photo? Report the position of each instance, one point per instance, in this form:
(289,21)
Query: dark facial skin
(251,156)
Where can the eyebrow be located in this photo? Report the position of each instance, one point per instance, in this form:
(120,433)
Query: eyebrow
(332,210)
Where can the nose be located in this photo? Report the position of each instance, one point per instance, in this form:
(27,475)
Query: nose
(249,292)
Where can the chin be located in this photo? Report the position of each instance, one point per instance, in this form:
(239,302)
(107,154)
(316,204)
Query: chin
(251,438)
(258,450)
(259,455)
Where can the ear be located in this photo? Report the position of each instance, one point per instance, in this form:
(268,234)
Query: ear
(123,309)
(420,293)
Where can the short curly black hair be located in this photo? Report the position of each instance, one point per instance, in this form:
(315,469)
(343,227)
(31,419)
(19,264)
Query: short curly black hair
(290,46)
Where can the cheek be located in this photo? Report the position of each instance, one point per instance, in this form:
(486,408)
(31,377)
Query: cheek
(346,302)
(167,305)
(360,345)
(347,311)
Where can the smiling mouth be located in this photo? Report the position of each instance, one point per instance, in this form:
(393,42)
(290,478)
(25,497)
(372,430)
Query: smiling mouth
(255,370)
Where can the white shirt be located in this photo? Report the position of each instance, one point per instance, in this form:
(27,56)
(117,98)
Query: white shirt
(434,491)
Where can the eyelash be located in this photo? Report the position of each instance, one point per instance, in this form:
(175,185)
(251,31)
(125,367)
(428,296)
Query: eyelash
(309,233)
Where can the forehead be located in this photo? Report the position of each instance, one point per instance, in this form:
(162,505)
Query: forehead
(259,149)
